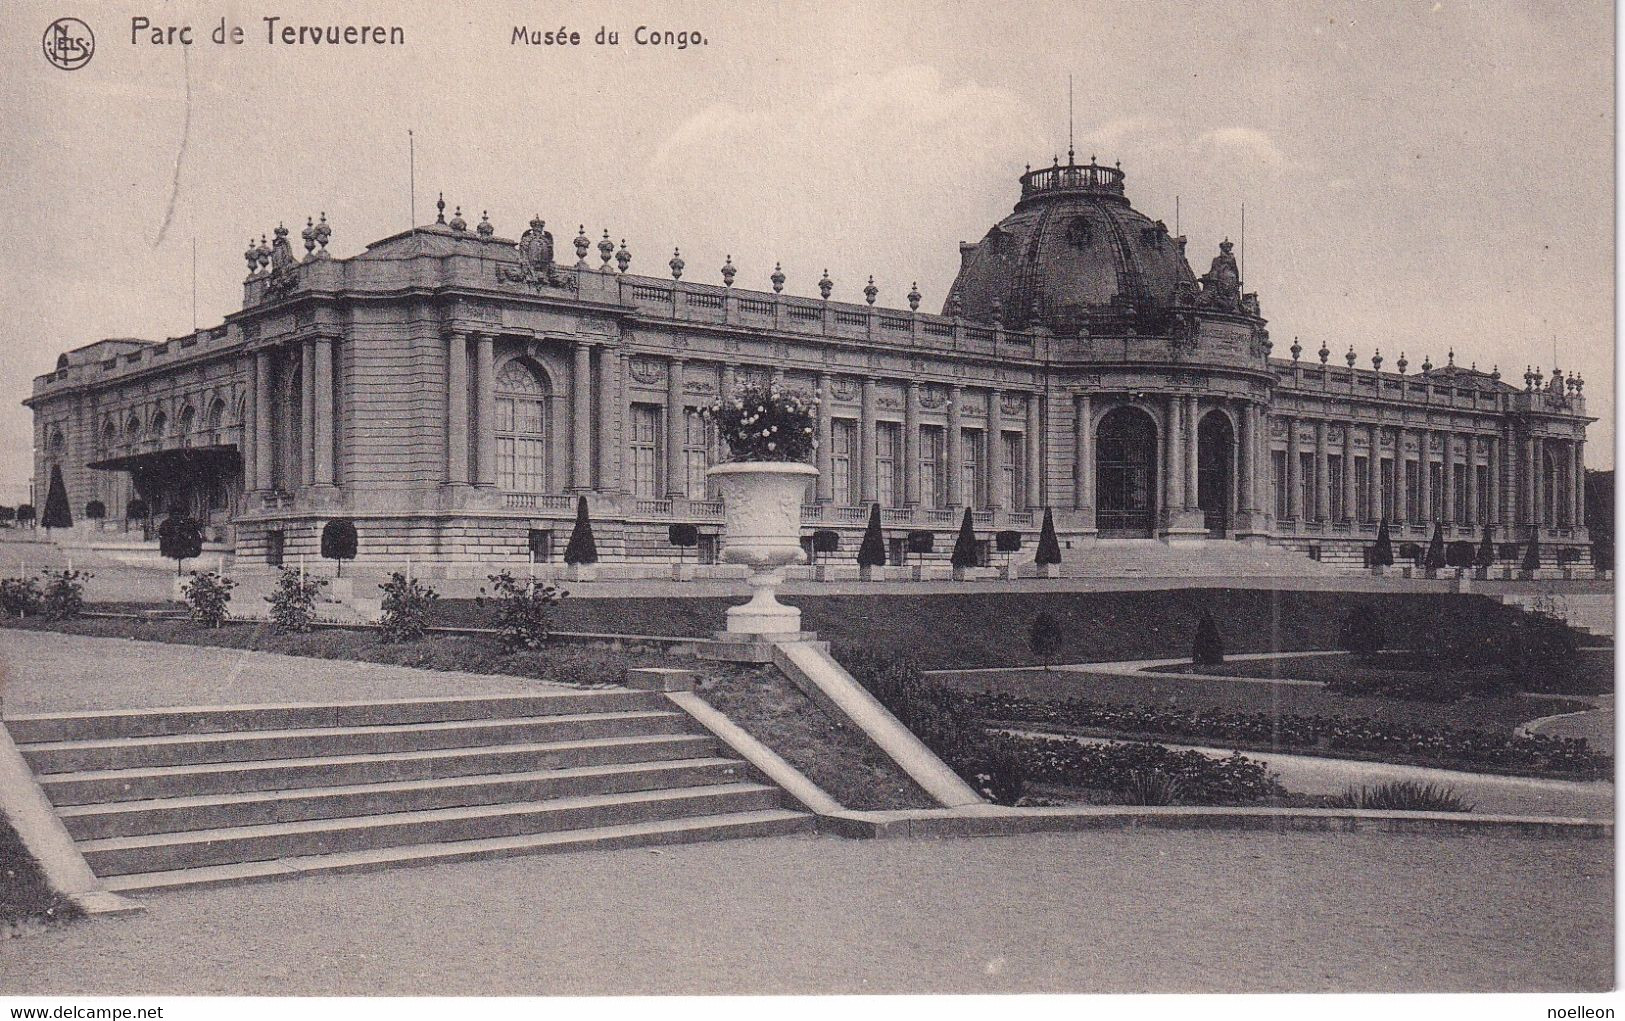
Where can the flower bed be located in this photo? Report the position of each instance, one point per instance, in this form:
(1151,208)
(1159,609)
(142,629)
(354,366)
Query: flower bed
(1449,747)
(1121,767)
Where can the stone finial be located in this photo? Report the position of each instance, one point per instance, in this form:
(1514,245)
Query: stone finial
(955,305)
(252,255)
(825,284)
(323,234)
(1579,384)
(1528,378)
(1495,373)
(777,278)
(485,229)
(263,254)
(1376,361)
(870,291)
(606,250)
(1296,349)
(728,271)
(440,208)
(1450,360)
(914,296)
(623,258)
(583,246)
(1350,356)
(309,235)
(1427,364)
(1402,364)
(458,224)
(676,264)
(998,311)
(1324,352)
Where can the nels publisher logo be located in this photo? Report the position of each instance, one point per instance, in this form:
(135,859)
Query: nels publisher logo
(69,44)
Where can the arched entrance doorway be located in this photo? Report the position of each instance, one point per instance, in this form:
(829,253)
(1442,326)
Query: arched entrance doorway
(1126,474)
(1215,442)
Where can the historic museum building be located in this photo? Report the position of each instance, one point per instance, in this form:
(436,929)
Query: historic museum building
(453,391)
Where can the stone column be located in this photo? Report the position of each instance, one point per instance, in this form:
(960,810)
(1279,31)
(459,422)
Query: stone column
(485,410)
(1263,464)
(1579,515)
(1173,468)
(322,433)
(1083,466)
(307,414)
(1401,487)
(994,438)
(456,409)
(956,447)
(1351,490)
(867,489)
(1447,478)
(911,445)
(261,437)
(1323,487)
(1493,513)
(1190,420)
(1294,486)
(1373,480)
(826,431)
(581,417)
(1472,518)
(1530,489)
(1424,475)
(1246,461)
(1035,453)
(609,380)
(676,476)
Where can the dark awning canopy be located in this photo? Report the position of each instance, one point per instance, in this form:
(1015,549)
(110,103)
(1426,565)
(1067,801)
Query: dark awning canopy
(180,462)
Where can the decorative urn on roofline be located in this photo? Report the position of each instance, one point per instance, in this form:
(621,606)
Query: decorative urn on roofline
(769,433)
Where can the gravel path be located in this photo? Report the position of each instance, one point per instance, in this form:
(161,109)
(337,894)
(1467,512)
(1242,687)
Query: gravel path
(44,672)
(1147,910)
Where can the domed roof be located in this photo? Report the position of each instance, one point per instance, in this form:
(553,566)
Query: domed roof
(1071,251)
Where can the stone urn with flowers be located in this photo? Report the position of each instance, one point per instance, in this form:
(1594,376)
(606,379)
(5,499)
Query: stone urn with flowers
(770,438)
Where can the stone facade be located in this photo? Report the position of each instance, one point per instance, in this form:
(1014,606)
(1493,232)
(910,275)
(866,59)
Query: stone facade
(454,392)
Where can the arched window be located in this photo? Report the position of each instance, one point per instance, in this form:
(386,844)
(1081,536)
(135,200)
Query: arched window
(521,428)
(158,426)
(217,415)
(58,443)
(187,422)
(109,437)
(132,428)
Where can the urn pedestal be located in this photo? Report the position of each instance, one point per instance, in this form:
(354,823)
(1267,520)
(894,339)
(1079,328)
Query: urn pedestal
(761,514)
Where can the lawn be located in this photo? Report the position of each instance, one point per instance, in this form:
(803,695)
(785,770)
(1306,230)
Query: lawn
(1594,673)
(1163,692)
(24,897)
(990,629)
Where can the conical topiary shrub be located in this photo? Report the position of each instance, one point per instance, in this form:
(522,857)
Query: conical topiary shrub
(1434,558)
(965,546)
(581,550)
(1208,647)
(872,551)
(57,513)
(1049,547)
(1486,549)
(1531,551)
(1382,554)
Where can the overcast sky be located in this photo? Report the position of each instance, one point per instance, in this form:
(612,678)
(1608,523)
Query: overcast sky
(1417,176)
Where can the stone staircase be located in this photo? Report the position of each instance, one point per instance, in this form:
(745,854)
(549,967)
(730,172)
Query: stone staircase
(192,796)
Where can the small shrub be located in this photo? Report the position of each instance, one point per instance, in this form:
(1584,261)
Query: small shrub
(19,597)
(207,597)
(1405,796)
(825,540)
(293,601)
(180,538)
(1362,632)
(339,541)
(964,554)
(523,610)
(408,604)
(25,514)
(996,770)
(872,550)
(64,594)
(1007,541)
(1207,649)
(581,549)
(1459,553)
(1113,766)
(1152,787)
(1046,638)
(1049,545)
(95,510)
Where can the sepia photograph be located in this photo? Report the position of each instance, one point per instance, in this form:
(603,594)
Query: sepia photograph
(928,499)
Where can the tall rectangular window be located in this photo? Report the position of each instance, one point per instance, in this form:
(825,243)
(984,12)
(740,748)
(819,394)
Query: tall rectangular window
(521,445)
(1362,489)
(1413,491)
(843,441)
(1278,481)
(1012,484)
(646,447)
(699,452)
(888,463)
(971,483)
(1458,494)
(1334,480)
(1386,468)
(1436,494)
(1307,479)
(932,488)
(1486,509)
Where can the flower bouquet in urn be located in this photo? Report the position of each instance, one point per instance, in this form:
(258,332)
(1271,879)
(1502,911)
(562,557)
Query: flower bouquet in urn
(770,436)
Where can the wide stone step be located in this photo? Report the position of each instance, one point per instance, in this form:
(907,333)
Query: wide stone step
(199,779)
(181,814)
(175,720)
(733,825)
(127,753)
(115,856)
